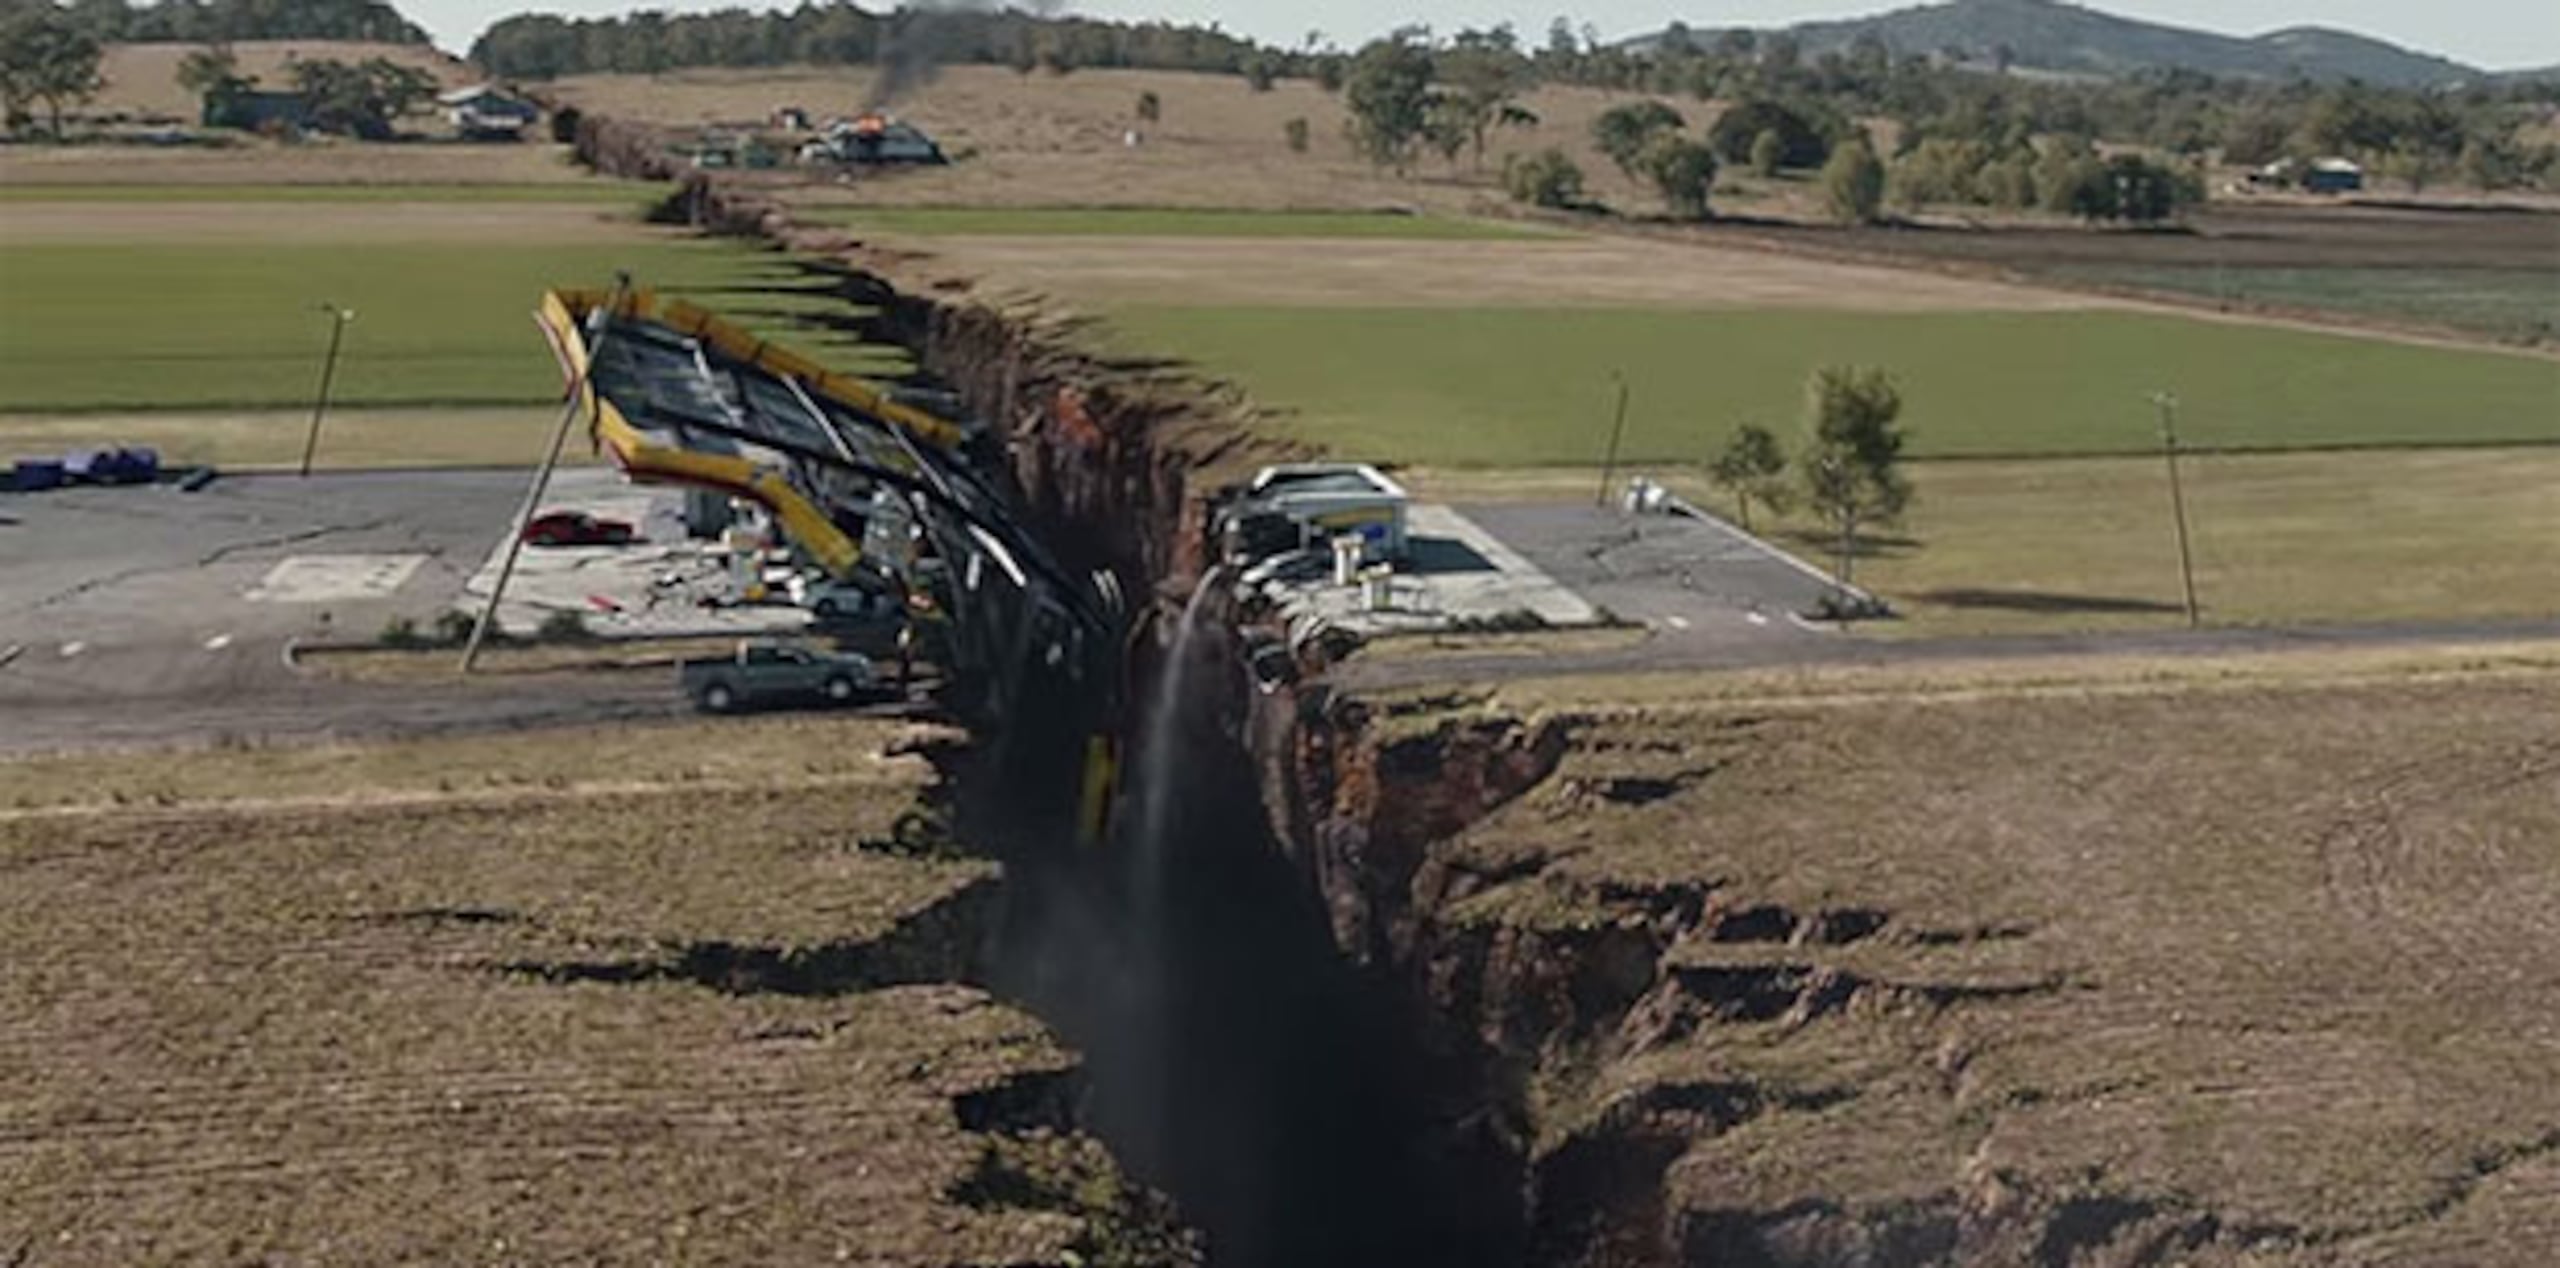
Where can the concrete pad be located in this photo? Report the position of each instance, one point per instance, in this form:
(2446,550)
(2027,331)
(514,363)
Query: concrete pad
(1456,574)
(653,587)
(334,578)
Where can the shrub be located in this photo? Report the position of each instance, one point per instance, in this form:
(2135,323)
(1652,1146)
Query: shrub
(1150,106)
(1622,132)
(1736,134)
(1768,154)
(564,626)
(1853,184)
(1544,179)
(1296,131)
(401,632)
(1683,171)
(453,625)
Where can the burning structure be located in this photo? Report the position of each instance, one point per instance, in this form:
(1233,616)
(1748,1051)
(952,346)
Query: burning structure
(873,139)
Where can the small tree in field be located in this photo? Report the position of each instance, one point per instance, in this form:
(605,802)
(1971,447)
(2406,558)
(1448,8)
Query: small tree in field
(1768,154)
(1388,93)
(1852,461)
(1853,184)
(1544,179)
(1752,468)
(47,56)
(1150,106)
(1296,132)
(1623,132)
(1682,170)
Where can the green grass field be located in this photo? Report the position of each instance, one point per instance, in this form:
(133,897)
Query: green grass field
(1523,387)
(577,191)
(214,326)
(2519,304)
(1141,222)
(2008,547)
(352,439)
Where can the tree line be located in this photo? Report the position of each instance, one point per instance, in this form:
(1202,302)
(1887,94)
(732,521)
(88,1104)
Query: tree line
(543,46)
(208,21)
(1430,95)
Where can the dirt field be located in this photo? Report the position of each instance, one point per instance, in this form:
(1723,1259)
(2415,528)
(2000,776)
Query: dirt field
(142,83)
(2490,272)
(639,994)
(253,162)
(31,224)
(2241,976)
(1096,273)
(1044,140)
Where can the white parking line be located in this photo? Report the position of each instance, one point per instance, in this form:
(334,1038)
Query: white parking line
(73,648)
(1676,622)
(217,642)
(1756,618)
(11,652)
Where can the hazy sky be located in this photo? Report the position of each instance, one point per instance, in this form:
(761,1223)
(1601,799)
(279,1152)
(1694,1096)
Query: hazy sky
(2499,34)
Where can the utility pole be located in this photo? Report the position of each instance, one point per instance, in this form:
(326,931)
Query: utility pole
(338,319)
(2168,403)
(603,327)
(1617,432)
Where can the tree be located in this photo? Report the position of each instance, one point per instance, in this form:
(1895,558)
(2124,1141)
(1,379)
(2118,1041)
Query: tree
(1753,468)
(1481,77)
(1853,184)
(1852,461)
(361,99)
(212,71)
(1544,179)
(1768,154)
(2064,171)
(1296,131)
(1389,95)
(1623,132)
(2419,165)
(1150,106)
(1736,131)
(1682,171)
(45,56)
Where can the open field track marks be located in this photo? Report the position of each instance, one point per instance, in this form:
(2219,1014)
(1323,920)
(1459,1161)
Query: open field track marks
(1102,273)
(147,804)
(26,225)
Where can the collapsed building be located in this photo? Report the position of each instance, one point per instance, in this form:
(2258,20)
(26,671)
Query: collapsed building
(875,492)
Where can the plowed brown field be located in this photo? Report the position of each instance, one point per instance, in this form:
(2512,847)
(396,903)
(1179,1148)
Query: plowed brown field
(2251,976)
(635,996)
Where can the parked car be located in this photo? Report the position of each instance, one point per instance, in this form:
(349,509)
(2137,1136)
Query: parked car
(763,671)
(577,528)
(845,601)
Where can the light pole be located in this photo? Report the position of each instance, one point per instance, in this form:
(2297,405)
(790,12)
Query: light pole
(600,328)
(2168,404)
(338,319)
(1617,432)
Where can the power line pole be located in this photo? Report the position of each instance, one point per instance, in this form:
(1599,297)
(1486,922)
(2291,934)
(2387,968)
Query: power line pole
(338,319)
(1617,432)
(542,477)
(2168,403)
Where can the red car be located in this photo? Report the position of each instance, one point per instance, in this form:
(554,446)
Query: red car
(577,528)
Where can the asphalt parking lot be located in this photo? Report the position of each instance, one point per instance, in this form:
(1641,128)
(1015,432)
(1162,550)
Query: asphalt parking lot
(1690,580)
(152,591)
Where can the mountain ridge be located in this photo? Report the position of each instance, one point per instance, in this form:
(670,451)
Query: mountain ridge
(2054,36)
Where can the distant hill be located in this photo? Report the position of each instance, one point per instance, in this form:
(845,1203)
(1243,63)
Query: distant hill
(2049,35)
